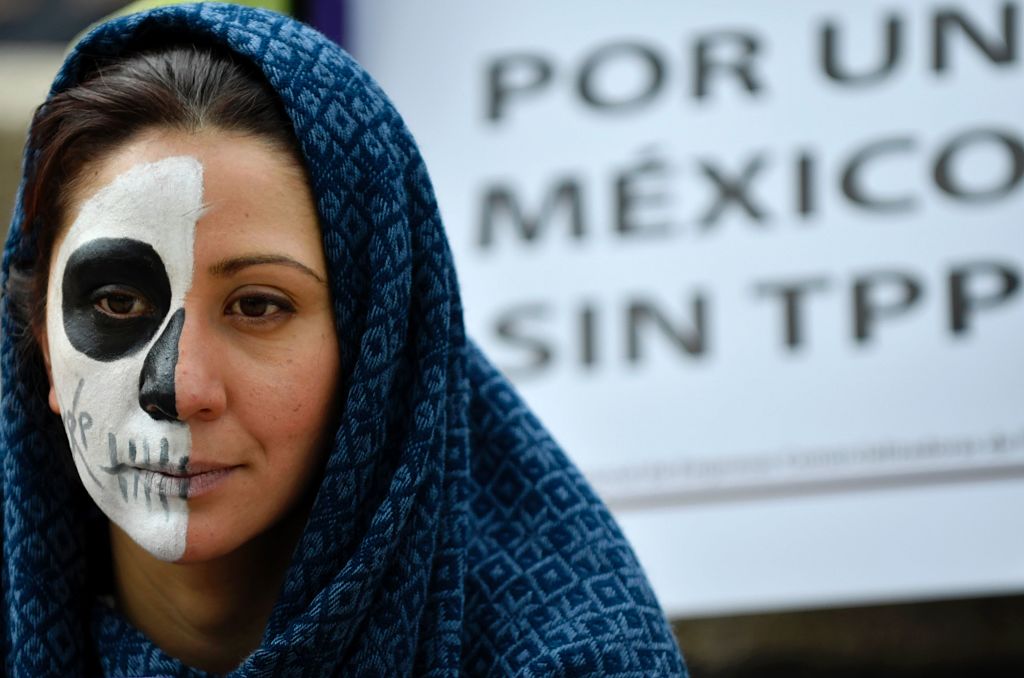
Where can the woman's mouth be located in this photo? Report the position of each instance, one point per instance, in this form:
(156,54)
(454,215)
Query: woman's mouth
(205,482)
(188,483)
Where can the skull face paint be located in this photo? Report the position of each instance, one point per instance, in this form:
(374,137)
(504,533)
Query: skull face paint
(115,312)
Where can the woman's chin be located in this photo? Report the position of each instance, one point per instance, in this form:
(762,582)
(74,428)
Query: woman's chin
(214,532)
(208,547)
(223,529)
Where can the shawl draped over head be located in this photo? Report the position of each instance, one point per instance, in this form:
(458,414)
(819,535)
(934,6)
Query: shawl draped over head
(449,535)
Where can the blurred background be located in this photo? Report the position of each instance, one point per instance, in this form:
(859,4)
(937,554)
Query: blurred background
(757,266)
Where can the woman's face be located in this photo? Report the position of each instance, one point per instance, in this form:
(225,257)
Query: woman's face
(190,339)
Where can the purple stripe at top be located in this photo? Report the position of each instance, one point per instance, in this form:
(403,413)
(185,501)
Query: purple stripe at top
(328,17)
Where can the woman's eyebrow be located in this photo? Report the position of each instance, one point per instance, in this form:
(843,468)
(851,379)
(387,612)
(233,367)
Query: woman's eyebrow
(228,267)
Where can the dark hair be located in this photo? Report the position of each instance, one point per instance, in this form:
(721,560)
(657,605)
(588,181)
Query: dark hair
(184,87)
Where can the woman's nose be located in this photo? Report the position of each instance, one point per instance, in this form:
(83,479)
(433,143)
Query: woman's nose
(156,381)
(180,379)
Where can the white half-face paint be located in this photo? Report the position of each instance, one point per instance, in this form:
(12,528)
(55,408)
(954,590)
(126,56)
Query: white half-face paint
(119,448)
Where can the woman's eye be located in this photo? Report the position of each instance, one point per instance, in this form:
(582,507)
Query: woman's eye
(121,304)
(258,307)
(254,306)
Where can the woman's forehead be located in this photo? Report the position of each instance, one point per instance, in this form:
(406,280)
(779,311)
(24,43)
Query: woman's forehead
(248,156)
(252,195)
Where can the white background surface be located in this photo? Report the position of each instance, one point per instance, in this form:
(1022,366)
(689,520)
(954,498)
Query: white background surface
(750,477)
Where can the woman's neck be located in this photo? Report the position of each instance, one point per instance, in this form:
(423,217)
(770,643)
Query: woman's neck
(212,614)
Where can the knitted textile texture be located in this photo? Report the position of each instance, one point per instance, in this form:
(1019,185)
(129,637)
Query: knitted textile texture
(449,535)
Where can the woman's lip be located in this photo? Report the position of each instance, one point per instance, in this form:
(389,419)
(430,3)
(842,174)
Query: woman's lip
(207,481)
(197,480)
(199,468)
(189,471)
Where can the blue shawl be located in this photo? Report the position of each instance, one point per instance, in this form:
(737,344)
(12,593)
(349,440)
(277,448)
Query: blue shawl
(450,534)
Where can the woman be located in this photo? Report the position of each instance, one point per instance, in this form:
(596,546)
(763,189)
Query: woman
(233,321)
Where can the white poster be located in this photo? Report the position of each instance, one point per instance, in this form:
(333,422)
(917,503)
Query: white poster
(758,266)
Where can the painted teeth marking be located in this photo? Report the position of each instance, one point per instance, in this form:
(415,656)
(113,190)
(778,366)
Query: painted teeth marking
(112,446)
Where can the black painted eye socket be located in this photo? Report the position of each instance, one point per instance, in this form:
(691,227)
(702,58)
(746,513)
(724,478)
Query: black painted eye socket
(116,295)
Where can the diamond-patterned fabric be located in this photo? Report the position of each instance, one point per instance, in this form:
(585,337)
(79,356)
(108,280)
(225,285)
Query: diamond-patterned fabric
(450,535)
